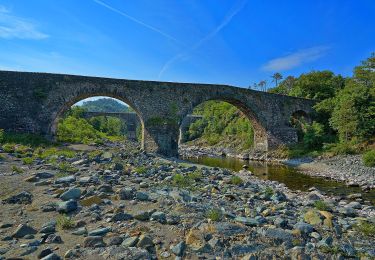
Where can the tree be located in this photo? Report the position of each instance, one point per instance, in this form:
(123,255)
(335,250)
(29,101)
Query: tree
(262,85)
(276,77)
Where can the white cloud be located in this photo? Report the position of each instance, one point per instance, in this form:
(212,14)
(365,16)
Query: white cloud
(296,59)
(13,27)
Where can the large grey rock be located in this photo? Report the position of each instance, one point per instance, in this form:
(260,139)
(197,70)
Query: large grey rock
(67,206)
(99,232)
(71,194)
(304,227)
(179,249)
(66,180)
(247,221)
(130,242)
(94,241)
(145,242)
(23,230)
(127,193)
(23,197)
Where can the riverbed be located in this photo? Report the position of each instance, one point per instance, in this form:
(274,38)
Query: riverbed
(293,178)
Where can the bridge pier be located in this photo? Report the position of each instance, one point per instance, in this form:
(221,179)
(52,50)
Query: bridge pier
(161,139)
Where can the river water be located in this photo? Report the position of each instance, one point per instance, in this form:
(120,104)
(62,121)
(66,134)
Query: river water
(290,176)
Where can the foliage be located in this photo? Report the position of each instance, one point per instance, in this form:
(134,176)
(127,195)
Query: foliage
(321,205)
(221,121)
(8,148)
(181,181)
(17,169)
(1,135)
(141,170)
(67,168)
(195,175)
(313,137)
(23,138)
(366,228)
(28,160)
(107,124)
(369,158)
(64,222)
(235,180)
(104,105)
(76,130)
(269,191)
(214,214)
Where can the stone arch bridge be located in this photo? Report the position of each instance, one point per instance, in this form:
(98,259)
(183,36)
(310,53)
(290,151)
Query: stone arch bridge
(33,103)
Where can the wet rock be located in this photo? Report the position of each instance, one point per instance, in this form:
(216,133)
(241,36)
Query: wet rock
(23,197)
(23,230)
(94,241)
(71,194)
(67,206)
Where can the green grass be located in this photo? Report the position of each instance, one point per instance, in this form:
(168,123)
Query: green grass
(66,167)
(8,147)
(366,228)
(181,181)
(141,170)
(25,139)
(269,191)
(61,174)
(28,160)
(321,205)
(214,214)
(17,169)
(368,158)
(235,180)
(93,154)
(195,175)
(64,222)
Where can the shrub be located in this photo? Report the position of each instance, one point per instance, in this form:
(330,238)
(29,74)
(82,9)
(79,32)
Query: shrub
(141,170)
(313,138)
(64,222)
(235,180)
(17,169)
(195,175)
(369,158)
(181,181)
(28,160)
(8,148)
(321,205)
(214,214)
(25,139)
(366,228)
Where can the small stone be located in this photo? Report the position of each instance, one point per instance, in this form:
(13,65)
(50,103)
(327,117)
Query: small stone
(142,196)
(115,241)
(53,239)
(126,194)
(179,249)
(79,232)
(87,202)
(23,230)
(71,194)
(145,242)
(52,256)
(159,217)
(23,197)
(247,221)
(304,227)
(94,241)
(142,216)
(66,180)
(99,232)
(121,216)
(130,242)
(48,228)
(67,206)
(312,217)
(45,252)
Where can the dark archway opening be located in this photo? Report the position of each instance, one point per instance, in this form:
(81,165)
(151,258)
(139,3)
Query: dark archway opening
(299,120)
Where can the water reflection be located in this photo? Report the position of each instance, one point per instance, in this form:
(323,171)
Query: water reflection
(290,176)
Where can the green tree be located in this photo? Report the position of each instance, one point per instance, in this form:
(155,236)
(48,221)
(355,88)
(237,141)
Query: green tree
(276,77)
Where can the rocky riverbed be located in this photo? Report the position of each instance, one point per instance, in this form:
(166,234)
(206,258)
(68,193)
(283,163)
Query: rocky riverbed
(120,203)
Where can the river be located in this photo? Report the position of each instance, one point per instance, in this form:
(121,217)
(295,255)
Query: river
(290,176)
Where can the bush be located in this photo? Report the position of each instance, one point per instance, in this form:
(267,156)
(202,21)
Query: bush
(28,160)
(369,158)
(214,214)
(17,169)
(24,139)
(321,205)
(181,181)
(64,222)
(8,148)
(235,180)
(313,138)
(141,170)
(1,135)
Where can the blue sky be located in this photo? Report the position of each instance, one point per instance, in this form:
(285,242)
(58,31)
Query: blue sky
(236,42)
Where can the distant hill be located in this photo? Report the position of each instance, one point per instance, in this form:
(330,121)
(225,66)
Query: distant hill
(105,105)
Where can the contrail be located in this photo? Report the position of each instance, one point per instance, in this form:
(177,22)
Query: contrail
(137,21)
(233,12)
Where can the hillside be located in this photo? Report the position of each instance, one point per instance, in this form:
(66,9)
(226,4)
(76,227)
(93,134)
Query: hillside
(104,105)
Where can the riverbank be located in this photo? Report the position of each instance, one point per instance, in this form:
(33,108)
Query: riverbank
(120,203)
(344,168)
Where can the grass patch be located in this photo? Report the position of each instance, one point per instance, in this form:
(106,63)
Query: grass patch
(25,139)
(181,181)
(28,160)
(321,205)
(17,169)
(67,168)
(195,175)
(368,158)
(94,154)
(235,180)
(141,170)
(214,214)
(8,148)
(366,228)
(64,222)
(269,191)
(61,174)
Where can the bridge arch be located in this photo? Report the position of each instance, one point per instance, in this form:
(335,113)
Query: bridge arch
(65,106)
(260,141)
